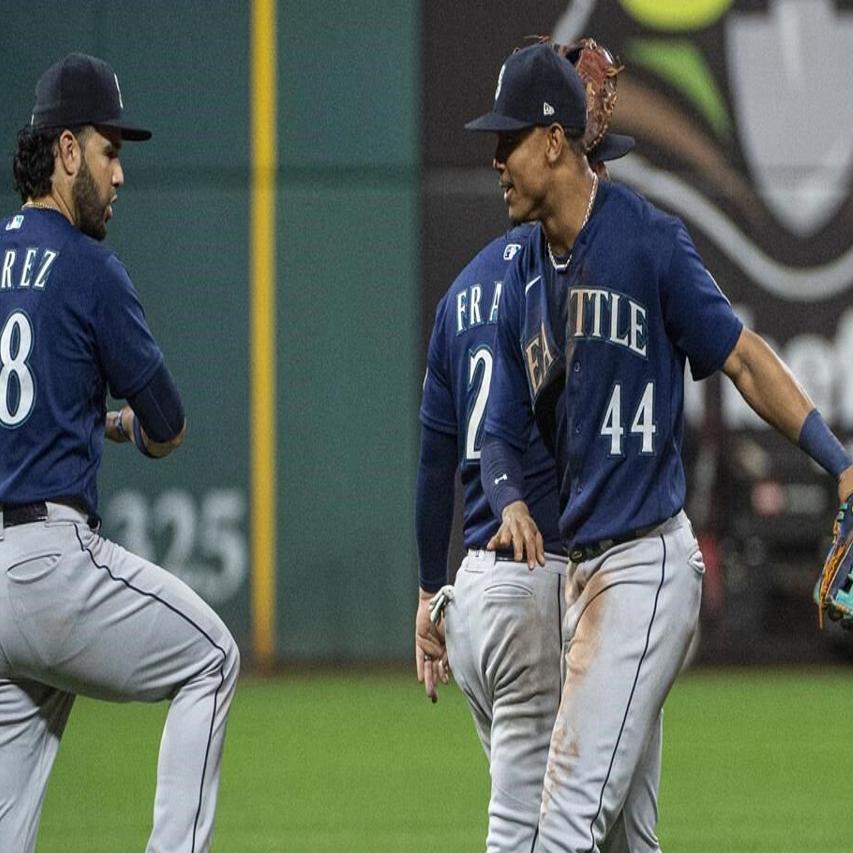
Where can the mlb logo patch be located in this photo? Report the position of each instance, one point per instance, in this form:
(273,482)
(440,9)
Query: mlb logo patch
(15,222)
(510,250)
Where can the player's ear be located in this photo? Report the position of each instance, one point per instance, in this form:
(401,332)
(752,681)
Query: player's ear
(69,152)
(555,143)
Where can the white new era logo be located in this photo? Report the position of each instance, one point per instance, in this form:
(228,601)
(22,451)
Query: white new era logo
(547,109)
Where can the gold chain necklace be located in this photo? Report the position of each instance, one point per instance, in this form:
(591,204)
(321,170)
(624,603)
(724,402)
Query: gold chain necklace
(565,265)
(39,205)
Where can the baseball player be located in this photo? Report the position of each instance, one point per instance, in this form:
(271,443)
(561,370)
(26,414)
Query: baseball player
(610,295)
(78,613)
(503,625)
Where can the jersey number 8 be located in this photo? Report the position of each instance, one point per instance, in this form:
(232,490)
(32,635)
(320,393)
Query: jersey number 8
(17,388)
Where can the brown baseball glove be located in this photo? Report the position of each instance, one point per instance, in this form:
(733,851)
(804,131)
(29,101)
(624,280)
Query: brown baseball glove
(598,69)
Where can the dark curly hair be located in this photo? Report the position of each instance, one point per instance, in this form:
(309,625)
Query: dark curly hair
(33,163)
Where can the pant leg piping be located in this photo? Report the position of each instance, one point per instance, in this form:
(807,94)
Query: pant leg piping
(204,633)
(560,647)
(630,699)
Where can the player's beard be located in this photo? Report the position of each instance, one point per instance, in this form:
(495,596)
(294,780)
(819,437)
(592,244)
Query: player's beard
(90,209)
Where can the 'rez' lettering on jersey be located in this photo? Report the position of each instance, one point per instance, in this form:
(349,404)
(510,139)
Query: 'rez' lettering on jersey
(29,267)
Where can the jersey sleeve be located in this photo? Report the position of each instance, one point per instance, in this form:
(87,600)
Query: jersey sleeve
(509,414)
(437,403)
(127,349)
(699,318)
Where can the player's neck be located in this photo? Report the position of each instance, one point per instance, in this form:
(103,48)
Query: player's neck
(51,201)
(570,211)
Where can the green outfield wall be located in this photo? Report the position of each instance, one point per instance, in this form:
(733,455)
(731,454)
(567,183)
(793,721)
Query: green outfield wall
(348,321)
(346,299)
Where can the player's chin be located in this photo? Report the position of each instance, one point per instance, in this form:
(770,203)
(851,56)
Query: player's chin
(101,227)
(95,230)
(518,212)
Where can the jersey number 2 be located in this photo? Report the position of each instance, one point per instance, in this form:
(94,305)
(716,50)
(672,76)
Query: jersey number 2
(480,356)
(15,374)
(643,423)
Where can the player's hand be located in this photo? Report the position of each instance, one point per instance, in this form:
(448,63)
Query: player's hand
(430,650)
(845,484)
(518,531)
(118,426)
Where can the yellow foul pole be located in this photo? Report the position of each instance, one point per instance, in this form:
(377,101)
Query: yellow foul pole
(262,428)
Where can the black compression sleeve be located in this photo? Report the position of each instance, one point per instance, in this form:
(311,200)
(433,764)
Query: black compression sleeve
(158,407)
(501,473)
(434,506)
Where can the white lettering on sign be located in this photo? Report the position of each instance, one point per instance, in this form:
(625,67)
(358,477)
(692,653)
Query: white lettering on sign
(199,538)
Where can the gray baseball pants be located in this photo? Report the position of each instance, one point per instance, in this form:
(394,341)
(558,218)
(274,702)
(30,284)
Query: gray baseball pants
(81,615)
(631,614)
(504,638)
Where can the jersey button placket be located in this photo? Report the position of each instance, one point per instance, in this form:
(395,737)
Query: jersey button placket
(576,369)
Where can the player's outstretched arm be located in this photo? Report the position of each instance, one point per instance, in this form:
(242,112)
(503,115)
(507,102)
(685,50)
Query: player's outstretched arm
(775,395)
(766,383)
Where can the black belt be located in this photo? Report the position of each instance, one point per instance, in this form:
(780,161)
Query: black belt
(507,555)
(580,553)
(14,514)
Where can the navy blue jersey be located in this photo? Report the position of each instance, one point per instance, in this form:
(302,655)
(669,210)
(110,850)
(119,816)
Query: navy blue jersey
(70,327)
(457,387)
(616,329)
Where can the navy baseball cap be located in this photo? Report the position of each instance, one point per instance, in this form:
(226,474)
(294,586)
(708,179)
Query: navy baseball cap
(79,90)
(536,86)
(612,147)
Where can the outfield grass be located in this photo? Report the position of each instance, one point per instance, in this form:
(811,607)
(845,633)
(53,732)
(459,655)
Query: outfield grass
(351,763)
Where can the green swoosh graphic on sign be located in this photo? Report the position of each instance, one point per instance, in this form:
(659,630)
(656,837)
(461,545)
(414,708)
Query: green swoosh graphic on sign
(681,65)
(676,14)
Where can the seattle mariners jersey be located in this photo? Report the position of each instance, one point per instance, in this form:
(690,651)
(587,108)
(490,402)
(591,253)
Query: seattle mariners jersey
(457,386)
(65,301)
(621,325)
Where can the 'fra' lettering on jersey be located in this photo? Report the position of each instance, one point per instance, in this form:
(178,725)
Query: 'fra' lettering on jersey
(470,312)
